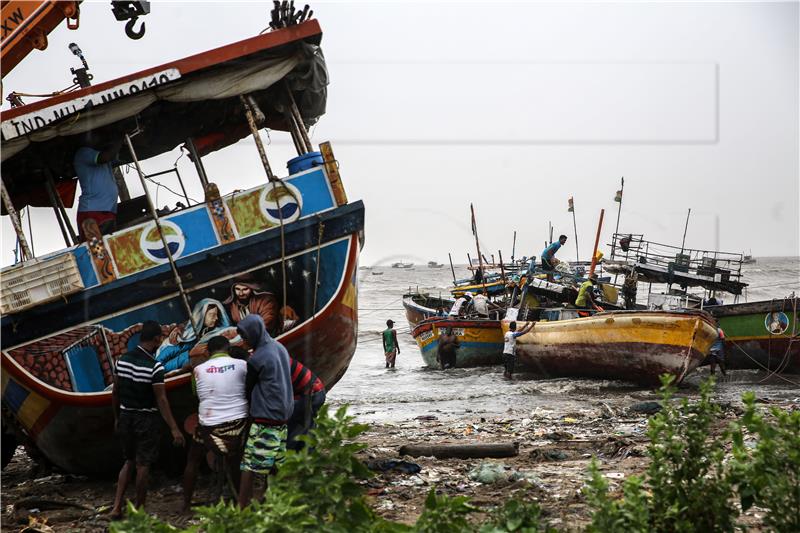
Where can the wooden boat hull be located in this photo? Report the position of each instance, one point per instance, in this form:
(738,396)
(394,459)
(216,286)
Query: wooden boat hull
(761,335)
(419,307)
(74,429)
(481,341)
(630,346)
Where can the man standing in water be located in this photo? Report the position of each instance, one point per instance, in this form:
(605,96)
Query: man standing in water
(390,345)
(448,344)
(510,347)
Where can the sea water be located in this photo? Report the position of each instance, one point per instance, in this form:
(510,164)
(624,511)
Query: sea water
(411,389)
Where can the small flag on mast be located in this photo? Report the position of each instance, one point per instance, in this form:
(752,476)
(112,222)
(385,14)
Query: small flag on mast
(618,197)
(571,208)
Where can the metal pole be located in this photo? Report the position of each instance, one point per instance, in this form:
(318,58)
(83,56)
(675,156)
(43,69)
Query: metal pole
(575,229)
(597,242)
(513,247)
(619,212)
(180,182)
(12,213)
(453,270)
(51,193)
(251,121)
(685,229)
(61,207)
(30,230)
(198,163)
(154,214)
(298,118)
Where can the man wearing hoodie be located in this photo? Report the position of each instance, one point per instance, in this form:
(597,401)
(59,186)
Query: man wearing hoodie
(269,387)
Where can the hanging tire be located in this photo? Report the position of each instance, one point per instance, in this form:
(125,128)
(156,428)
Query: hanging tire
(9,444)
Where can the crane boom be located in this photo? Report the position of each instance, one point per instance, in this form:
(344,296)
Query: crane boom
(26,24)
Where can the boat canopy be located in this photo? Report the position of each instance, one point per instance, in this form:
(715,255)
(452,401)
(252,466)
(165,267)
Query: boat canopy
(196,98)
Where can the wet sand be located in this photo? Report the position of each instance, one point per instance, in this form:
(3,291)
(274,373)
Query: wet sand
(557,432)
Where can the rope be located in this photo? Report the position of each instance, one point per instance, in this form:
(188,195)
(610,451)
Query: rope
(320,230)
(763,367)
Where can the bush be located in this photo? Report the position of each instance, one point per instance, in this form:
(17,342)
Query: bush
(516,516)
(769,473)
(689,486)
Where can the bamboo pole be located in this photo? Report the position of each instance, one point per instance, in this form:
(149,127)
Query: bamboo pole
(597,242)
(452,269)
(251,121)
(164,243)
(198,164)
(513,246)
(478,246)
(61,207)
(298,118)
(52,195)
(14,216)
(685,229)
(575,230)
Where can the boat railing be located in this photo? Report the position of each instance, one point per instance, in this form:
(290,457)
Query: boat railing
(634,249)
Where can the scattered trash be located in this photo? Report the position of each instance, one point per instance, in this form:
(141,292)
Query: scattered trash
(645,408)
(427,417)
(488,473)
(569,420)
(614,475)
(384,465)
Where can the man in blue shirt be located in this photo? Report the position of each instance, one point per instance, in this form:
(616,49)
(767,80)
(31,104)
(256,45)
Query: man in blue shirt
(99,193)
(549,261)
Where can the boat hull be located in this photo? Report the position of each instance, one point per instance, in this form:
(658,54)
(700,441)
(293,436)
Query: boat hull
(761,335)
(631,346)
(419,307)
(481,341)
(74,429)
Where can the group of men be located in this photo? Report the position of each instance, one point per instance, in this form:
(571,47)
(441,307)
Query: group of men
(252,407)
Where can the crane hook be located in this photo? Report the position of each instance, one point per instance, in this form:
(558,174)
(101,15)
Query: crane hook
(130,32)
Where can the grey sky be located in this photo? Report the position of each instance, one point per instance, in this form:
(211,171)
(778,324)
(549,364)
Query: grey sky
(515,107)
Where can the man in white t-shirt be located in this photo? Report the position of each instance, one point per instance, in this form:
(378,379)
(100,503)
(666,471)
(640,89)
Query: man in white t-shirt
(480,302)
(460,305)
(510,347)
(222,414)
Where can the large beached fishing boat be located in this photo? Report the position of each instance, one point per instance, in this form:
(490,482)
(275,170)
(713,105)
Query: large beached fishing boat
(762,335)
(287,249)
(635,346)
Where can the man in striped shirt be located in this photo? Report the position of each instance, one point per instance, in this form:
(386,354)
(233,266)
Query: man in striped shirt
(309,395)
(138,397)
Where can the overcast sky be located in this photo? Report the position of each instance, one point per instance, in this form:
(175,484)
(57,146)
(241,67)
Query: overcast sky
(512,106)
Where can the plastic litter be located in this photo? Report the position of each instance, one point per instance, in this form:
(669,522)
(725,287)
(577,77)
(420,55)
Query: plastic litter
(488,473)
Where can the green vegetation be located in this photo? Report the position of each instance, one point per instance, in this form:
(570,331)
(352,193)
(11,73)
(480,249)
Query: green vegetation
(688,487)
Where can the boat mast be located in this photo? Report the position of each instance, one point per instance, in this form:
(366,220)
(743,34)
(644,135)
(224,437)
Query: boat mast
(453,270)
(571,209)
(685,229)
(477,246)
(12,213)
(513,246)
(618,198)
(597,242)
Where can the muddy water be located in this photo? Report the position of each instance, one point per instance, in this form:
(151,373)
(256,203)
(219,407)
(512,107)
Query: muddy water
(411,390)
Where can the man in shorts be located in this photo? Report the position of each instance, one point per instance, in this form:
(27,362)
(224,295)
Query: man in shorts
(269,386)
(219,384)
(137,397)
(390,345)
(510,347)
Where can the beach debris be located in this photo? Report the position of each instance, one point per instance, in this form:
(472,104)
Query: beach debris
(645,408)
(461,451)
(384,465)
(488,473)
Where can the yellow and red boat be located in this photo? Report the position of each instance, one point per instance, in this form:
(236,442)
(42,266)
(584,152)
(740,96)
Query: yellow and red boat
(636,346)
(481,340)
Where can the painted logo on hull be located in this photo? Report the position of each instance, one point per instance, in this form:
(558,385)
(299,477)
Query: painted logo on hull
(281,201)
(152,246)
(776,322)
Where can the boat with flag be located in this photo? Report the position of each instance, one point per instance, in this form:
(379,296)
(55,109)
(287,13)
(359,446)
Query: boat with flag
(286,249)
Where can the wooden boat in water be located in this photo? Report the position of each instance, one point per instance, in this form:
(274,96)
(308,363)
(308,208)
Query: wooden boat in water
(434,264)
(420,306)
(402,265)
(290,244)
(635,346)
(481,340)
(759,335)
